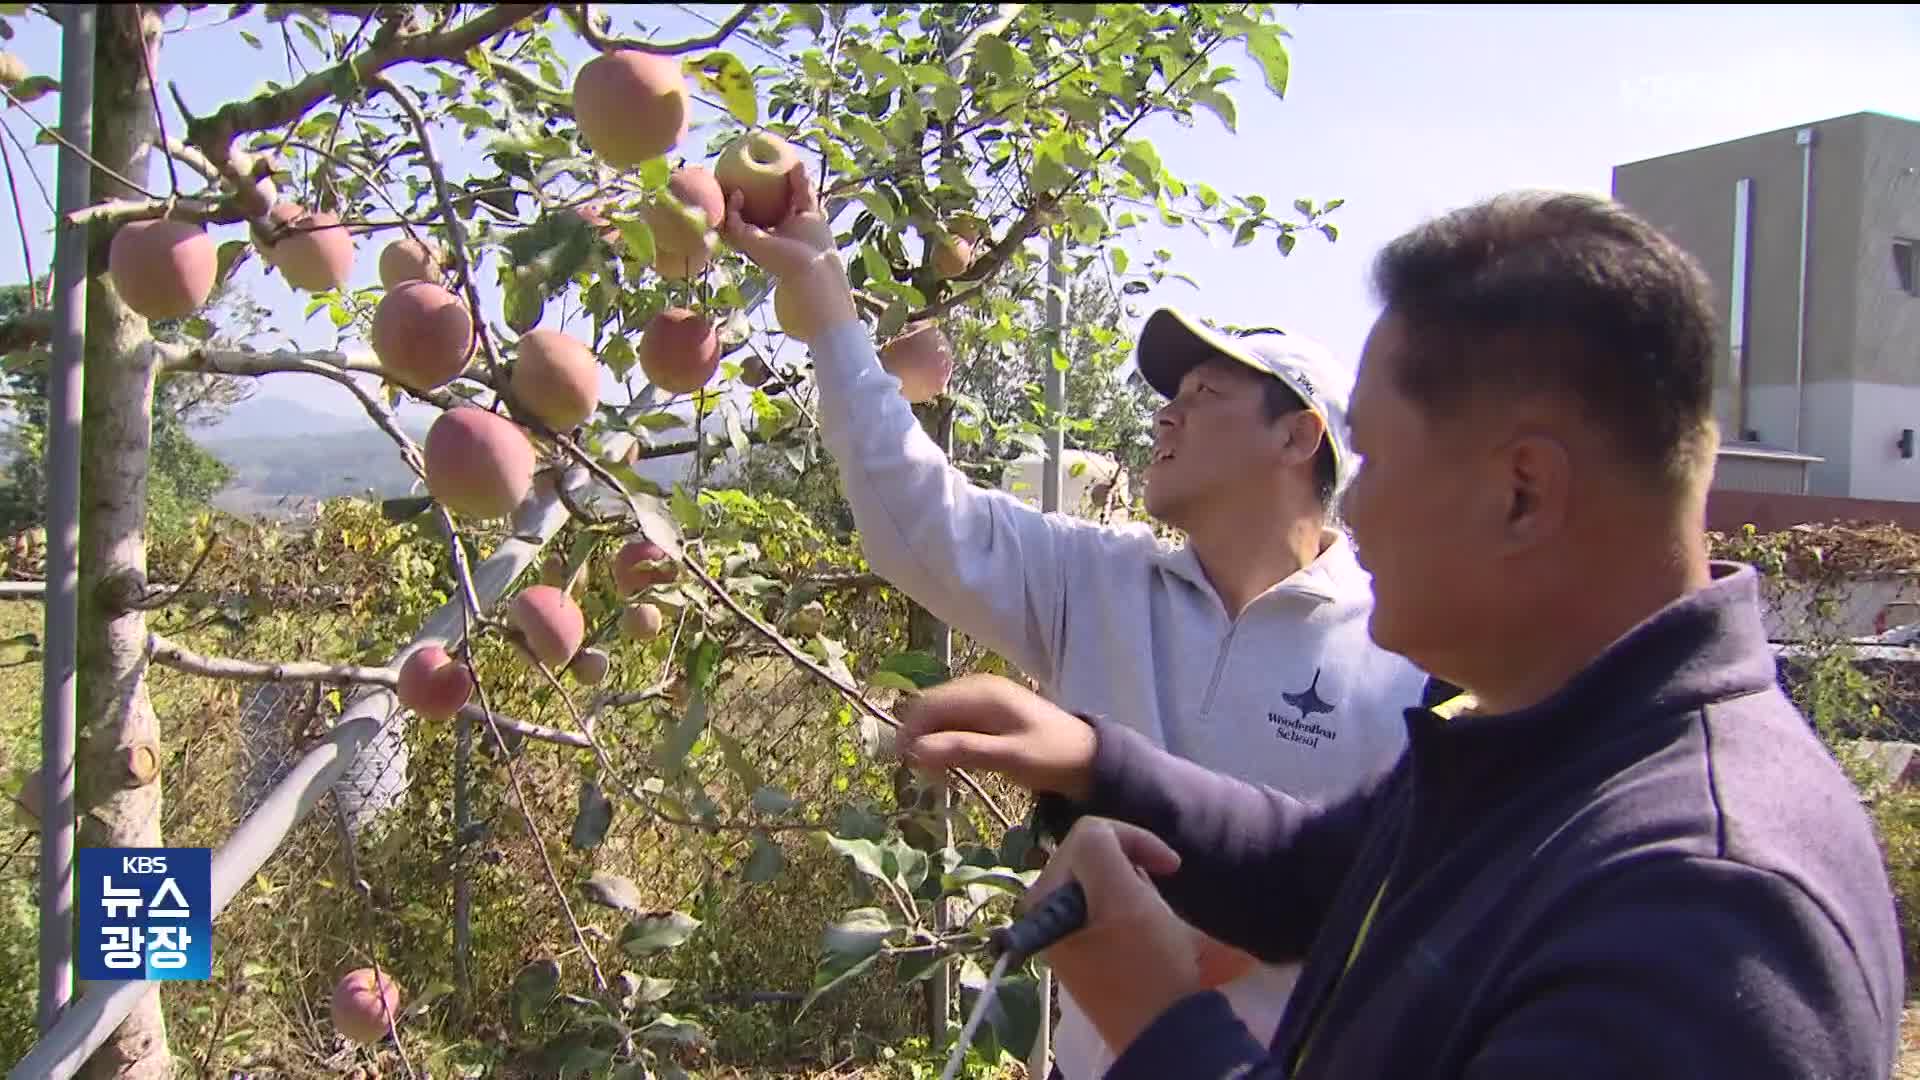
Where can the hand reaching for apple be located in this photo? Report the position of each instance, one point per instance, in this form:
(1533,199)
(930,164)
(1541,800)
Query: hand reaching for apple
(799,252)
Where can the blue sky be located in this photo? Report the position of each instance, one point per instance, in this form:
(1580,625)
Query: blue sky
(1404,111)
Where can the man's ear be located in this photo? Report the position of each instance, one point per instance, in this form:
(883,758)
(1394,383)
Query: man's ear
(1536,473)
(1304,432)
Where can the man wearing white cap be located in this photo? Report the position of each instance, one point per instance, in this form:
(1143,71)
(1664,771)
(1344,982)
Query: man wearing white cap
(1245,650)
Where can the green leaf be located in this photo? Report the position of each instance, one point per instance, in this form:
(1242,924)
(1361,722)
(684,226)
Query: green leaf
(848,947)
(866,132)
(922,669)
(880,206)
(595,816)
(533,987)
(999,877)
(228,257)
(912,967)
(1286,242)
(1267,50)
(657,932)
(679,742)
(771,800)
(765,861)
(640,991)
(735,757)
(1014,1013)
(891,681)
(668,1028)
(619,357)
(614,891)
(1143,162)
(661,420)
(995,55)
(474,116)
(1330,231)
(638,238)
(1118,256)
(35,87)
(868,857)
(1221,104)
(728,78)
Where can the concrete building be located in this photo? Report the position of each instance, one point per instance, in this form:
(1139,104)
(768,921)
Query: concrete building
(1812,237)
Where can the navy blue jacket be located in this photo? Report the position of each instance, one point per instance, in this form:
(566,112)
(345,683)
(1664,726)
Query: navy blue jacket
(1658,872)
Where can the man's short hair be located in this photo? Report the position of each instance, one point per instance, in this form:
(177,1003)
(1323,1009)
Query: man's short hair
(1278,400)
(1567,293)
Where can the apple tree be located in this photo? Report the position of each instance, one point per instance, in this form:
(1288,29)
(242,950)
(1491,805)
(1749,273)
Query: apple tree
(508,214)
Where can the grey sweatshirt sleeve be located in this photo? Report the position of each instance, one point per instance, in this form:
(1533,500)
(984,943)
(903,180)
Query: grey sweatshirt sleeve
(1258,868)
(1678,968)
(980,560)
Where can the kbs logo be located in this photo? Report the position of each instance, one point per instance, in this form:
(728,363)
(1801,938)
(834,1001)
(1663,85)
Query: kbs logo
(145,913)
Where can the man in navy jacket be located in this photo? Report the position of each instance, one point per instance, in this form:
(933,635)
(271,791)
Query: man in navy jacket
(1618,851)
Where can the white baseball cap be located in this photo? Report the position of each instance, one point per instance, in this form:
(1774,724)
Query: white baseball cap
(1173,343)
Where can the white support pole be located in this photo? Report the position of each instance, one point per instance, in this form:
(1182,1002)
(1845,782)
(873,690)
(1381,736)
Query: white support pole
(1039,1062)
(59,738)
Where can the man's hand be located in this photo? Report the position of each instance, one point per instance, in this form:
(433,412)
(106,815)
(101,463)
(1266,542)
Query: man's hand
(1135,958)
(799,252)
(987,722)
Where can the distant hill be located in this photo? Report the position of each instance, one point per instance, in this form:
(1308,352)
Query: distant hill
(285,456)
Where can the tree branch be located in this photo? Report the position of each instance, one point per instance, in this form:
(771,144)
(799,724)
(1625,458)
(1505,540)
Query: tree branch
(215,134)
(336,366)
(669,48)
(537,732)
(192,158)
(118,211)
(180,658)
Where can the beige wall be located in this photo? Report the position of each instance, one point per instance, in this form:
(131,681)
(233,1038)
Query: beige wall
(1861,329)
(1887,345)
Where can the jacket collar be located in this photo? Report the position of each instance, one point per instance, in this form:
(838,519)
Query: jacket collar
(1334,576)
(1707,646)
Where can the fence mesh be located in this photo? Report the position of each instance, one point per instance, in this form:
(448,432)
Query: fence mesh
(780,752)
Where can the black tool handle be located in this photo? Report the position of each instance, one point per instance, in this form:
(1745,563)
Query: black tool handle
(1052,919)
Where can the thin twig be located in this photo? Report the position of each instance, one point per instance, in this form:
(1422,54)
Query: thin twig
(153,94)
(158,597)
(27,156)
(19,219)
(852,693)
(671,48)
(62,140)
(374,185)
(456,231)
(471,615)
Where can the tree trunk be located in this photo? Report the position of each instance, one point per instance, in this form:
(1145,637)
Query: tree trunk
(118,771)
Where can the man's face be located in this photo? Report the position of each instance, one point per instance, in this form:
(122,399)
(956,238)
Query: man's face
(1207,441)
(1416,508)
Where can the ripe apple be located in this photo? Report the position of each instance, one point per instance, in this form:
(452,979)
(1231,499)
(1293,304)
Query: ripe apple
(682,216)
(163,269)
(679,351)
(952,255)
(632,106)
(921,359)
(757,164)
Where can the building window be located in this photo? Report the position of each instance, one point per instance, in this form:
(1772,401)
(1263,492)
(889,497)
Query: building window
(1906,266)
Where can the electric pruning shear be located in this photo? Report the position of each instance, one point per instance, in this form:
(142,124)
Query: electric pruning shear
(1050,920)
